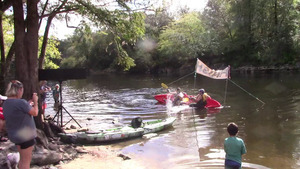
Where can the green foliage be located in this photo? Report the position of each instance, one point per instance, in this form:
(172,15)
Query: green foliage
(8,32)
(123,59)
(102,53)
(77,48)
(182,40)
(87,49)
(125,25)
(72,62)
(218,27)
(52,56)
(52,53)
(255,32)
(249,32)
(155,23)
(123,29)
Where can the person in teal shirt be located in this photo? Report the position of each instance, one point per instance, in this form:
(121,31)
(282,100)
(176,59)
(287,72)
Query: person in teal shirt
(234,148)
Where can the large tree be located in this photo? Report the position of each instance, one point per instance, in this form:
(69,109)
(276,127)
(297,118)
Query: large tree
(26,40)
(28,15)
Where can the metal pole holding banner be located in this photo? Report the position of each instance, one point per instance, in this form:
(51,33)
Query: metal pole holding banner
(195,76)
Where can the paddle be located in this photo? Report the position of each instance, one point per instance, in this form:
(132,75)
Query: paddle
(164,85)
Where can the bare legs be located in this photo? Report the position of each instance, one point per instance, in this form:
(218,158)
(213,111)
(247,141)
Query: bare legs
(2,126)
(25,157)
(2,130)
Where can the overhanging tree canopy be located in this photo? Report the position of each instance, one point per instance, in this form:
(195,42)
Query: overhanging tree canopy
(28,15)
(115,16)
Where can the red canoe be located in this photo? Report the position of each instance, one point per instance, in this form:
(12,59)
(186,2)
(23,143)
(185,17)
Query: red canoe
(212,103)
(162,98)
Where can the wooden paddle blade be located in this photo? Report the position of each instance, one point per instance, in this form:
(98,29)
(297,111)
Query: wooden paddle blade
(164,85)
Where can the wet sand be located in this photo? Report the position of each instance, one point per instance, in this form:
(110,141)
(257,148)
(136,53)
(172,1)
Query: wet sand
(107,157)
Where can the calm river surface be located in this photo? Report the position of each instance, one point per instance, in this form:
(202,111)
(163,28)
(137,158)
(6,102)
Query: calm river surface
(271,132)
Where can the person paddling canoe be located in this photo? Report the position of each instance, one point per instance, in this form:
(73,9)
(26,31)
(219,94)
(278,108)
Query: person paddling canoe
(178,97)
(201,99)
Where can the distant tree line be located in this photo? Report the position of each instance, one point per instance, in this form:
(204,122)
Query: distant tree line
(236,33)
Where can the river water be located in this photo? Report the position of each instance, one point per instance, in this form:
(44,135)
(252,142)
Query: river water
(271,131)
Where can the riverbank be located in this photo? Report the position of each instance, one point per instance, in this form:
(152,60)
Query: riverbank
(188,68)
(52,153)
(282,68)
(106,156)
(57,155)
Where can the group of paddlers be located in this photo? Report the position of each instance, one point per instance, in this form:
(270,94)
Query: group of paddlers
(200,100)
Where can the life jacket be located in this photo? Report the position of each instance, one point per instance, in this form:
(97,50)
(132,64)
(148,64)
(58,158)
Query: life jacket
(205,96)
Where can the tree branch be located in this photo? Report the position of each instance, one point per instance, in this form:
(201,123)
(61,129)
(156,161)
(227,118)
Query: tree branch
(45,41)
(66,19)
(58,12)
(44,9)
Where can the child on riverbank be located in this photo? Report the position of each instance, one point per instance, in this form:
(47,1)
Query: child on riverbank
(234,148)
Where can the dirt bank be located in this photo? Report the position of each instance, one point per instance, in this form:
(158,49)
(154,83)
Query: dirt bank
(106,157)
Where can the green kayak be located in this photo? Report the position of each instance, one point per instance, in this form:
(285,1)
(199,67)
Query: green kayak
(127,132)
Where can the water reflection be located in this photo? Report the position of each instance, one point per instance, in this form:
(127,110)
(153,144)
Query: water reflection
(271,133)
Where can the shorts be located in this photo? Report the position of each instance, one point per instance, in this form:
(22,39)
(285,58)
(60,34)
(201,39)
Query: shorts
(232,164)
(199,104)
(27,144)
(1,116)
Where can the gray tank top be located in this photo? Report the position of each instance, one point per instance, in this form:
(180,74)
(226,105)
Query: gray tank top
(20,125)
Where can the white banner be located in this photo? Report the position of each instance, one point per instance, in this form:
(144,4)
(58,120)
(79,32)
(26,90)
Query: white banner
(202,69)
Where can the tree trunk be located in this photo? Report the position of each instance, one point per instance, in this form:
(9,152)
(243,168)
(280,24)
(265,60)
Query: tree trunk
(26,40)
(31,40)
(2,61)
(19,30)
(2,44)
(31,45)
(45,41)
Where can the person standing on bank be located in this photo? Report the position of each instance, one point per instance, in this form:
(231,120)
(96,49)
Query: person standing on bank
(43,94)
(55,94)
(20,125)
(234,148)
